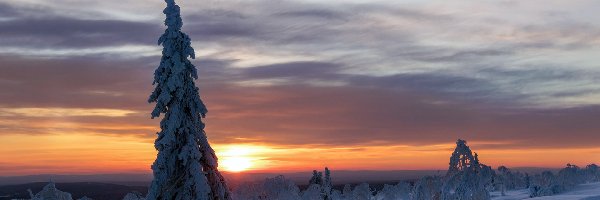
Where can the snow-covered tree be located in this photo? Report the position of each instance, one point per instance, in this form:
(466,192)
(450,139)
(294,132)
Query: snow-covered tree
(317,178)
(461,158)
(323,183)
(347,192)
(336,195)
(135,195)
(473,183)
(313,192)
(400,191)
(281,188)
(547,183)
(592,173)
(249,191)
(186,165)
(362,192)
(466,178)
(327,184)
(270,189)
(506,179)
(544,184)
(527,180)
(50,192)
(570,176)
(501,180)
(427,188)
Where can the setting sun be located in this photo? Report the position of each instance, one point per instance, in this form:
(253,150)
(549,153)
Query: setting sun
(237,158)
(236,164)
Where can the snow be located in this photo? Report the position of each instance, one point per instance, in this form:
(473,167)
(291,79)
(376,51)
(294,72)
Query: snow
(50,192)
(588,191)
(511,194)
(134,196)
(270,189)
(279,188)
(186,164)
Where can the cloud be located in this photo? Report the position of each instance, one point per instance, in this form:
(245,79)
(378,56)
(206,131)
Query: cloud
(352,115)
(62,112)
(67,32)
(76,82)
(6,10)
(295,70)
(421,108)
(322,14)
(328,74)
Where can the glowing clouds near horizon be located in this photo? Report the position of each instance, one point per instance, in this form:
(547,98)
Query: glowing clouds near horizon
(64,112)
(96,153)
(73,153)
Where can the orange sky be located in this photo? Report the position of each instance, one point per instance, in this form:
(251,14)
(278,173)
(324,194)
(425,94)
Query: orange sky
(93,154)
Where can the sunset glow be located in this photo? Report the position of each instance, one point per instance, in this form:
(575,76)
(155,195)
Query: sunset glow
(236,164)
(237,158)
(88,154)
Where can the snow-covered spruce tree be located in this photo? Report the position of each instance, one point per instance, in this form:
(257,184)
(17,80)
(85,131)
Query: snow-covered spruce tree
(466,178)
(317,178)
(186,165)
(323,183)
(327,185)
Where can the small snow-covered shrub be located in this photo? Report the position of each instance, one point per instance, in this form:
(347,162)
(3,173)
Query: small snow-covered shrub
(506,179)
(135,195)
(428,188)
(313,192)
(592,173)
(269,189)
(362,192)
(400,191)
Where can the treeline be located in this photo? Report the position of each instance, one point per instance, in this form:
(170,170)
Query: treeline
(548,183)
(466,179)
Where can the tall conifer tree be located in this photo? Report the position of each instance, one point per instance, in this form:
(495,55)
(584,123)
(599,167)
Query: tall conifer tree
(186,165)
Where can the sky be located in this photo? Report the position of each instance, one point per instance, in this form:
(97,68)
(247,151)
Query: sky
(299,85)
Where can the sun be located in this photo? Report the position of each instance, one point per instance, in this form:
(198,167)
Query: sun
(236,159)
(236,164)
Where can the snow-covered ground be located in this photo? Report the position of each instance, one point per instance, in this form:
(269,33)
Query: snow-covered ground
(511,195)
(590,191)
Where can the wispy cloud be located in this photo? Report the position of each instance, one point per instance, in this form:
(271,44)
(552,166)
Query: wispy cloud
(62,112)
